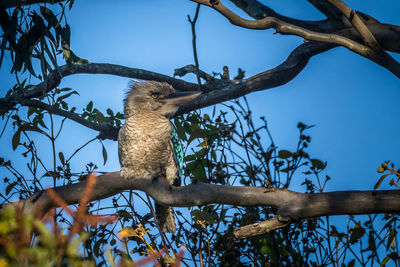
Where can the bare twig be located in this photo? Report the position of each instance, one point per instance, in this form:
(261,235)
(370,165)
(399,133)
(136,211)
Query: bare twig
(196,60)
(180,72)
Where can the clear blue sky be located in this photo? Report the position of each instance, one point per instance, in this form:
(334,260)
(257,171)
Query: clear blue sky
(352,101)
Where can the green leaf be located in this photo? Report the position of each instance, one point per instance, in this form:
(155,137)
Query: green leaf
(15,139)
(318,164)
(100,117)
(284,154)
(357,233)
(240,74)
(64,105)
(380,181)
(71,2)
(61,156)
(31,110)
(66,95)
(198,171)
(104,151)
(120,116)
(124,214)
(10,187)
(49,16)
(66,34)
(110,112)
(96,248)
(390,238)
(196,132)
(203,216)
(51,174)
(89,106)
(30,127)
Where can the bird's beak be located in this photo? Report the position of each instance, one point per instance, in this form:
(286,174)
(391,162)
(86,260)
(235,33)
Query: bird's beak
(180,98)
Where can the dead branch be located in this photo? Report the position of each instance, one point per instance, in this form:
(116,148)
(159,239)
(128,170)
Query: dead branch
(262,227)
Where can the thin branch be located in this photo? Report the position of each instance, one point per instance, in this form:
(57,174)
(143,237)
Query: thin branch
(107,131)
(196,60)
(180,72)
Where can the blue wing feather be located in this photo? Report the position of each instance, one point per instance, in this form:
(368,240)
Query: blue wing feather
(178,152)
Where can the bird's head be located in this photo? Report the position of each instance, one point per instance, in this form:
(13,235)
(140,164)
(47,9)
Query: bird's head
(155,97)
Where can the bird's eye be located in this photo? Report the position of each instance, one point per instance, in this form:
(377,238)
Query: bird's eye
(155,95)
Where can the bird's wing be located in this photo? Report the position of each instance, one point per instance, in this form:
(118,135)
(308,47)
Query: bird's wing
(177,147)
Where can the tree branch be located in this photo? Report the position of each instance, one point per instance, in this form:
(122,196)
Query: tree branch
(216,90)
(357,22)
(196,60)
(106,130)
(327,9)
(291,205)
(257,10)
(387,35)
(277,76)
(54,79)
(262,227)
(381,58)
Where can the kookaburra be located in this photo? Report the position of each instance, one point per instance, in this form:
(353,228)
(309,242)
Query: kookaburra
(144,141)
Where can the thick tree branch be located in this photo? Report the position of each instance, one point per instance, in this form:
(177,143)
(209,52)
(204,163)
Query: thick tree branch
(257,10)
(282,27)
(357,22)
(216,90)
(291,205)
(327,9)
(387,35)
(54,79)
(277,76)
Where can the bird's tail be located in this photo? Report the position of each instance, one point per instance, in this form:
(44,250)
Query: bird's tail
(165,217)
